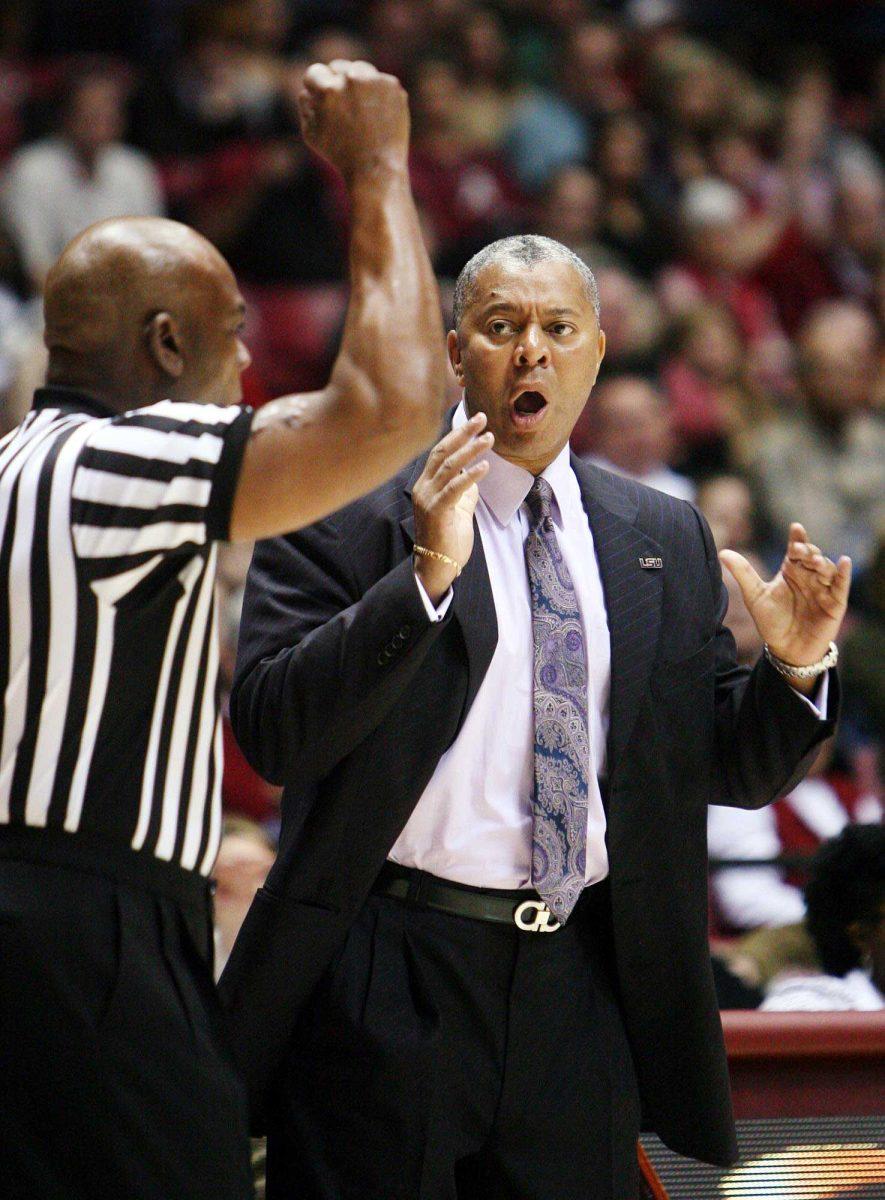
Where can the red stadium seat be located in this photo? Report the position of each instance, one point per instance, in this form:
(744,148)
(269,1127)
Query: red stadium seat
(292,334)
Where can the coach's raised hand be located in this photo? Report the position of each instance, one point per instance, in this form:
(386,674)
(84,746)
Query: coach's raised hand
(444,500)
(800,611)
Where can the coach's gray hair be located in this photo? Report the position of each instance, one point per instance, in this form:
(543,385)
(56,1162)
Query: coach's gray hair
(527,249)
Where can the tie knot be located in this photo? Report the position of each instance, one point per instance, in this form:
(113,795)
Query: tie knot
(539,499)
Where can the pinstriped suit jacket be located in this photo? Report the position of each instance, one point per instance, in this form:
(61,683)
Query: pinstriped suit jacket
(348,695)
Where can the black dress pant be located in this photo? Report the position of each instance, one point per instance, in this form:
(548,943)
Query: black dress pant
(447,1058)
(113,1078)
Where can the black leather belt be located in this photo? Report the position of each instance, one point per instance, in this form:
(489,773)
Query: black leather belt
(524,908)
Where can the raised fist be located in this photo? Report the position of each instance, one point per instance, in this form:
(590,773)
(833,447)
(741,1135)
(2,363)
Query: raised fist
(355,116)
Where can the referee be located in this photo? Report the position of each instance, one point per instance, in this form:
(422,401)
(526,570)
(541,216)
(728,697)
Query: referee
(134,462)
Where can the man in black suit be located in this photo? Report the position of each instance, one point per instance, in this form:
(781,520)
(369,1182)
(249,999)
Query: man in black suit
(500,696)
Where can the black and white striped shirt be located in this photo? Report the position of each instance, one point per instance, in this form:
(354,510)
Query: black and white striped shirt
(108,624)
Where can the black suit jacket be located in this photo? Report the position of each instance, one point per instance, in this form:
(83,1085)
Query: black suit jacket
(348,695)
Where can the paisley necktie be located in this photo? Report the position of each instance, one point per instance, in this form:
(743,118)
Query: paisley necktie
(562,744)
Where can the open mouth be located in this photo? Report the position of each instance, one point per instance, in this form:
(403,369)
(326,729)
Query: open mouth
(527,409)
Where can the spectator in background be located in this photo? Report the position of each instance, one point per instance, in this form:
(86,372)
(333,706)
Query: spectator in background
(746,898)
(783,238)
(15,88)
(845,898)
(593,76)
(245,856)
(53,189)
(490,88)
(278,219)
(634,323)
(206,118)
(715,401)
(828,460)
(551,128)
(396,34)
(17,319)
(628,431)
(222,87)
(713,220)
(467,194)
(817,135)
(857,254)
(545,133)
(687,87)
(633,220)
(570,212)
(727,503)
(750,897)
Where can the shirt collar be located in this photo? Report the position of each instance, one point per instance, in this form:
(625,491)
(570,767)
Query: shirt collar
(59,396)
(505,485)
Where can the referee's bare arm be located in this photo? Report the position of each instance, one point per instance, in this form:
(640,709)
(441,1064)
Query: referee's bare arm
(313,453)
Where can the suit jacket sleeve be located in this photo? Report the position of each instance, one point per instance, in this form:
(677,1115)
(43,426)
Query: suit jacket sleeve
(766,733)
(322,659)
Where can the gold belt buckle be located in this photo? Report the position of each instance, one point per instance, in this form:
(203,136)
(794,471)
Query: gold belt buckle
(543,921)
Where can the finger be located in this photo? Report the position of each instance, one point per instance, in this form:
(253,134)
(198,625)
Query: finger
(841,584)
(746,577)
(357,69)
(467,502)
(804,554)
(454,440)
(805,549)
(824,569)
(462,457)
(814,588)
(797,533)
(456,487)
(319,78)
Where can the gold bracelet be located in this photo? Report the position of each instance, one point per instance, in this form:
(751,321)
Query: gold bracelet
(425,553)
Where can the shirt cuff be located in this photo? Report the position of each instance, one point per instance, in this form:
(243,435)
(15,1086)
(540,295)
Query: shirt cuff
(819,703)
(434,614)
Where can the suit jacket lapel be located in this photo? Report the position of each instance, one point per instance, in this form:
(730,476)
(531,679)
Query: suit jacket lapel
(473,605)
(633,597)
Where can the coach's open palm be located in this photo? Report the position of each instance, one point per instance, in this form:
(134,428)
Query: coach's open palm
(799,612)
(444,499)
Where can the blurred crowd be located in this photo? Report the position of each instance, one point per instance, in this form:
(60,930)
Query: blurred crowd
(719,166)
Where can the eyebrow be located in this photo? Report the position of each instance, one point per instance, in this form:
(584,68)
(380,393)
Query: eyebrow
(509,306)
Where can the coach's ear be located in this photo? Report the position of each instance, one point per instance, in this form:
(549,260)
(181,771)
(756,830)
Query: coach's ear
(164,344)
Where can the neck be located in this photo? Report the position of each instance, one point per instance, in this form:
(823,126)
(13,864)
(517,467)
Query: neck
(118,395)
(87,158)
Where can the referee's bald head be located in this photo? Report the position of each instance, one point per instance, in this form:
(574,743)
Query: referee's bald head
(138,309)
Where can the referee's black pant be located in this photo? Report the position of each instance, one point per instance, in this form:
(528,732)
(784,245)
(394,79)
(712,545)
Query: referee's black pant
(449,1058)
(114,1081)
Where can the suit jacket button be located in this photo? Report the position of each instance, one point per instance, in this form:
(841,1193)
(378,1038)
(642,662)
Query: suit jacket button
(405,631)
